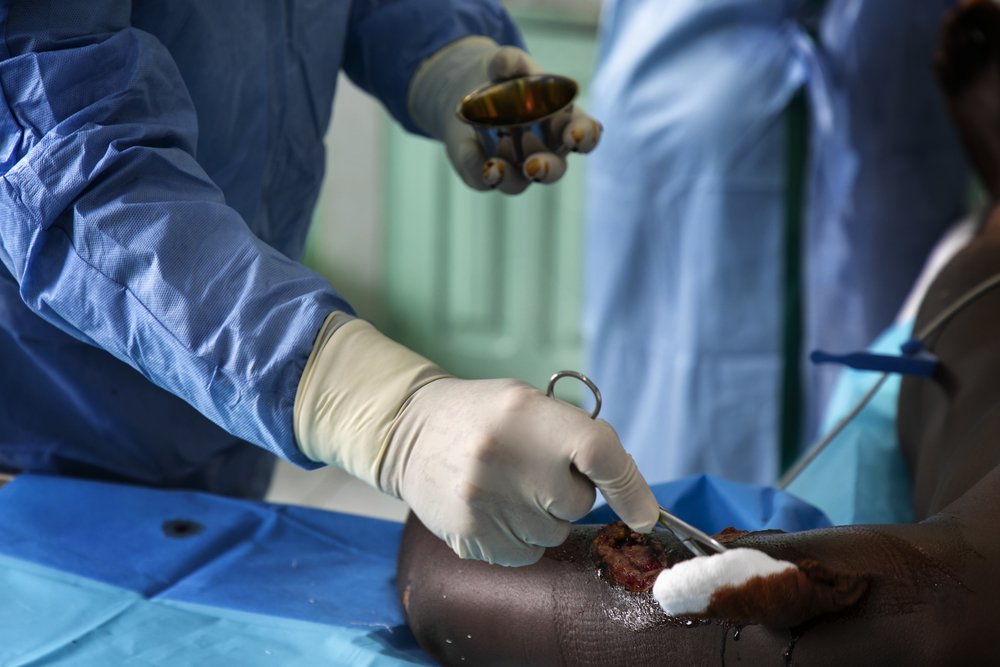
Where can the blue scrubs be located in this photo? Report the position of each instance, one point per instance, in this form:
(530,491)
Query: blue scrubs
(160,162)
(687,193)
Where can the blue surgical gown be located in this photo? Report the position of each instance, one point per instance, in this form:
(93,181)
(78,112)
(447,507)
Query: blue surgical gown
(160,162)
(684,312)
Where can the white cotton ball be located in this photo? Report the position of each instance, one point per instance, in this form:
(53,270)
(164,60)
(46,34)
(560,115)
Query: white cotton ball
(687,588)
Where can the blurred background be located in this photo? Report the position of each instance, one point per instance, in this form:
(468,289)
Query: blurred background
(400,236)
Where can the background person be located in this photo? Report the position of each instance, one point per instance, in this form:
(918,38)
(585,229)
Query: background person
(692,313)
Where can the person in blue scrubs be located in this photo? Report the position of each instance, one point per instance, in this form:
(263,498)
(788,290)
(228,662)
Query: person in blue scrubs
(688,207)
(160,162)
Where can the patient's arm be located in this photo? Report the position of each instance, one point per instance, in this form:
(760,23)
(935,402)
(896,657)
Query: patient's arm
(933,598)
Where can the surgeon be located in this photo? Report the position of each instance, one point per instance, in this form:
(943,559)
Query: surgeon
(160,164)
(699,279)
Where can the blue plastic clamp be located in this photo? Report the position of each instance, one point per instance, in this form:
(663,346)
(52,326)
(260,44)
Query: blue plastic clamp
(916,360)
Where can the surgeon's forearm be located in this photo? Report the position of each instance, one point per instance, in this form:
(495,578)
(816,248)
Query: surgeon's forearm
(116,234)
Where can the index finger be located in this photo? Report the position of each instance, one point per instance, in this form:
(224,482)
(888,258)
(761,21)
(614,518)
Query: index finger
(612,470)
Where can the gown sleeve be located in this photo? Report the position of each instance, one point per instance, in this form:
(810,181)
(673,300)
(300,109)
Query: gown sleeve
(388,39)
(116,235)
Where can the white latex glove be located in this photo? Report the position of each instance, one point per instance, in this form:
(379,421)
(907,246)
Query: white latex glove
(495,468)
(448,76)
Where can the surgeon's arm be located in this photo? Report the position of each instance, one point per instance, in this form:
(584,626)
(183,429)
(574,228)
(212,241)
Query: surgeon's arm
(117,236)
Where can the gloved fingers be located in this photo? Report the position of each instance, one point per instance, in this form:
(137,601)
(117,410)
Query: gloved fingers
(575,129)
(501,175)
(467,157)
(632,499)
(494,171)
(516,555)
(544,168)
(511,62)
(498,549)
(582,132)
(539,528)
(482,173)
(606,463)
(541,165)
(572,501)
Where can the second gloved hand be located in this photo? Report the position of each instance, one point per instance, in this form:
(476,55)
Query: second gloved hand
(446,77)
(493,467)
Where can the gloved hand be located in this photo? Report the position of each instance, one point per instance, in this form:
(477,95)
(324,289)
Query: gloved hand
(446,77)
(495,468)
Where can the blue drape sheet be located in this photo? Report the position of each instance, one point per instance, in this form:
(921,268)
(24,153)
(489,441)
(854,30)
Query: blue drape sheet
(93,573)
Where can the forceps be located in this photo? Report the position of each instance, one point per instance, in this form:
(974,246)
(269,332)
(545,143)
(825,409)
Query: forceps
(698,542)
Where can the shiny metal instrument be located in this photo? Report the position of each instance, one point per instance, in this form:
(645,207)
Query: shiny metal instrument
(698,542)
(518,117)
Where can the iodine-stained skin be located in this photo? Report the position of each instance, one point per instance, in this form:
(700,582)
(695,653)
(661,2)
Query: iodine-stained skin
(786,599)
(933,587)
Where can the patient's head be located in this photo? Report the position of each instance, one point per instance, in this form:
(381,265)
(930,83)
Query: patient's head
(967,65)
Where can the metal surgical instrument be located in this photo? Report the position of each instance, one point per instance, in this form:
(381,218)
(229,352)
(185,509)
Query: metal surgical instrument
(698,542)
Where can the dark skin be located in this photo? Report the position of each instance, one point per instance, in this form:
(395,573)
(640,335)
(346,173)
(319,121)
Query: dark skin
(933,594)
(932,600)
(966,69)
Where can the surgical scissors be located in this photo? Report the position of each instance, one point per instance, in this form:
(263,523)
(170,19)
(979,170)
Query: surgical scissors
(698,542)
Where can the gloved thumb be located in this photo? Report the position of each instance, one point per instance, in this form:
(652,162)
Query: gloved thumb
(509,63)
